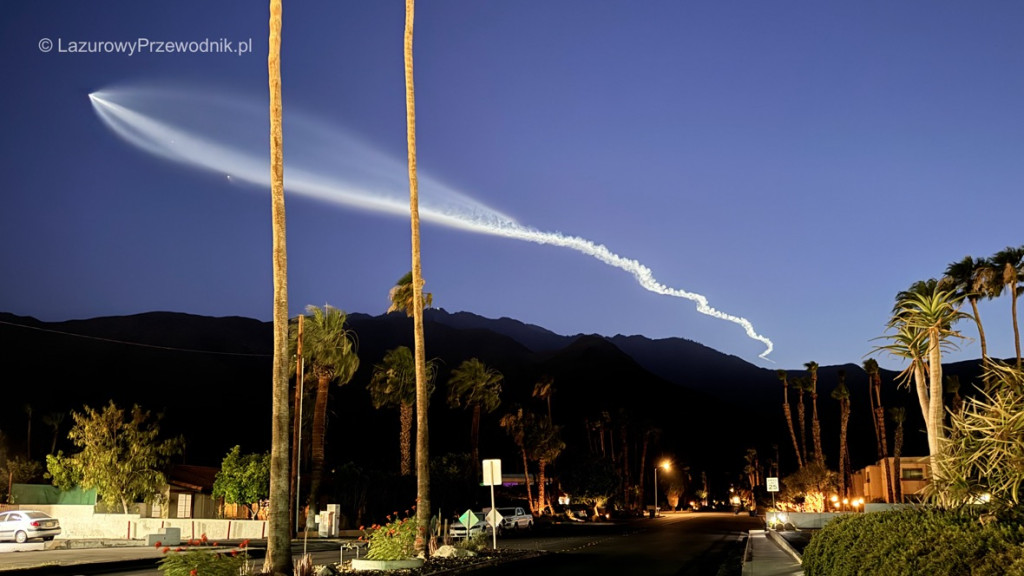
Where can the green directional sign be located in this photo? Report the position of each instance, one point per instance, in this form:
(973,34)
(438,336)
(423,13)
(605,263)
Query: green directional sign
(468,519)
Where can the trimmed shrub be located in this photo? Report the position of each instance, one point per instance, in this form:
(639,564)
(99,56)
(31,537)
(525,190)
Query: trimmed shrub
(916,541)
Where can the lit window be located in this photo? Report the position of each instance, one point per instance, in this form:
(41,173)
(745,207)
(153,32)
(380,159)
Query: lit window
(912,474)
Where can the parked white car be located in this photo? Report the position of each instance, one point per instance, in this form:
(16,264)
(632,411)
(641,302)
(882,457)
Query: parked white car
(513,519)
(457,530)
(22,525)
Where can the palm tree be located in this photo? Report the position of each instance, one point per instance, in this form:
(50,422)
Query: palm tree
(971,279)
(331,351)
(812,367)
(878,414)
(400,296)
(422,396)
(476,387)
(782,375)
(516,424)
(279,552)
(544,389)
(1010,262)
(842,394)
(801,383)
(54,420)
(923,318)
(544,444)
(393,383)
(898,416)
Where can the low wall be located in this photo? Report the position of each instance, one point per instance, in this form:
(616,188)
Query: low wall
(78,521)
(807,520)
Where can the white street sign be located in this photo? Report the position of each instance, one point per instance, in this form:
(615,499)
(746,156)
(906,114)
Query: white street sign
(773,484)
(493,517)
(492,472)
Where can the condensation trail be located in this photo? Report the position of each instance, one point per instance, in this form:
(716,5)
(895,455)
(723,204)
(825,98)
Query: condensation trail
(367,179)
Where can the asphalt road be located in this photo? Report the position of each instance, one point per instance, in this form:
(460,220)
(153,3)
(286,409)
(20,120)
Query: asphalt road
(680,544)
(675,544)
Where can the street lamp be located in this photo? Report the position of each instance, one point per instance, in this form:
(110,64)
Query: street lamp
(666,465)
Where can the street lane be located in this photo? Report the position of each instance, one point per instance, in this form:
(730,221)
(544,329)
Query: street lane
(676,544)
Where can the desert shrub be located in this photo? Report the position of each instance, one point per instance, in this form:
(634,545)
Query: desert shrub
(916,541)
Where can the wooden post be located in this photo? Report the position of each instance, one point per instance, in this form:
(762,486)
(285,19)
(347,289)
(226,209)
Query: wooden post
(293,503)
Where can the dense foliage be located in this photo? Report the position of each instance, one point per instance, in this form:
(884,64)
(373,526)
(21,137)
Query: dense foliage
(918,541)
(122,455)
(244,479)
(394,540)
(984,455)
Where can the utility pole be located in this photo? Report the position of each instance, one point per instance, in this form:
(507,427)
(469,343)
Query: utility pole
(297,428)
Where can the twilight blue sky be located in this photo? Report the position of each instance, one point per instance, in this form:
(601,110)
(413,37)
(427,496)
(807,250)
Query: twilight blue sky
(798,163)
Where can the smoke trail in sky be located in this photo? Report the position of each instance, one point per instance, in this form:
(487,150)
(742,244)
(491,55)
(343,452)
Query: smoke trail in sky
(358,176)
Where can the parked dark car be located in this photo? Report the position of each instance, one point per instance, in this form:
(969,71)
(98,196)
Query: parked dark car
(22,525)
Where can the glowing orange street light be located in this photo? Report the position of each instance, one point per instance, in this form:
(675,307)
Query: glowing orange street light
(667,466)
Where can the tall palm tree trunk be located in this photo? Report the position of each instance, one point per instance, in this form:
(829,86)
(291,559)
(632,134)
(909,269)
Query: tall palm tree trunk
(1016,330)
(801,418)
(981,330)
(526,480)
(898,414)
(541,481)
(844,421)
(422,438)
(279,553)
(317,447)
(474,437)
(883,442)
(935,405)
(884,448)
(816,428)
(405,417)
(792,433)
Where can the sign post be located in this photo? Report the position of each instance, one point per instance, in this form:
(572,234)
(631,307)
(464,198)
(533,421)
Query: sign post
(773,487)
(492,476)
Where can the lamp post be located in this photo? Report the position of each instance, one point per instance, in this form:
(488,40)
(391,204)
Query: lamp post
(666,466)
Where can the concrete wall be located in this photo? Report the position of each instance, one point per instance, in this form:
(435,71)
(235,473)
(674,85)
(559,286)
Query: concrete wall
(77,521)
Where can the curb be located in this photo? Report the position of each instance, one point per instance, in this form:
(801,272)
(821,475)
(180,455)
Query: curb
(784,545)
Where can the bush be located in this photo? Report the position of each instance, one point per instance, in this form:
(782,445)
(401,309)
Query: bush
(199,560)
(916,541)
(394,540)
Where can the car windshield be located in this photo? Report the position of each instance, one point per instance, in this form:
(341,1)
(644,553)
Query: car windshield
(36,515)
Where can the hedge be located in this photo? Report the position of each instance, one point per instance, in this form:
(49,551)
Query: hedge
(916,541)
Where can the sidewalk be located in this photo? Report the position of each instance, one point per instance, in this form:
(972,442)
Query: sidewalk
(766,556)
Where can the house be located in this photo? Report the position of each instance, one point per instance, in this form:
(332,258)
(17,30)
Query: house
(871,483)
(189,493)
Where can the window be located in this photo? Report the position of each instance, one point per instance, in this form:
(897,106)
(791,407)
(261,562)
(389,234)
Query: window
(912,474)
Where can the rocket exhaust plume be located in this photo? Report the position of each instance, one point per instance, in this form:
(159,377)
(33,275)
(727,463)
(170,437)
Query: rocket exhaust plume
(359,177)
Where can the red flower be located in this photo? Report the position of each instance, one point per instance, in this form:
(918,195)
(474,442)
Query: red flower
(389,517)
(234,552)
(203,537)
(192,572)
(245,543)
(214,543)
(178,549)
(361,528)
(158,544)
(166,549)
